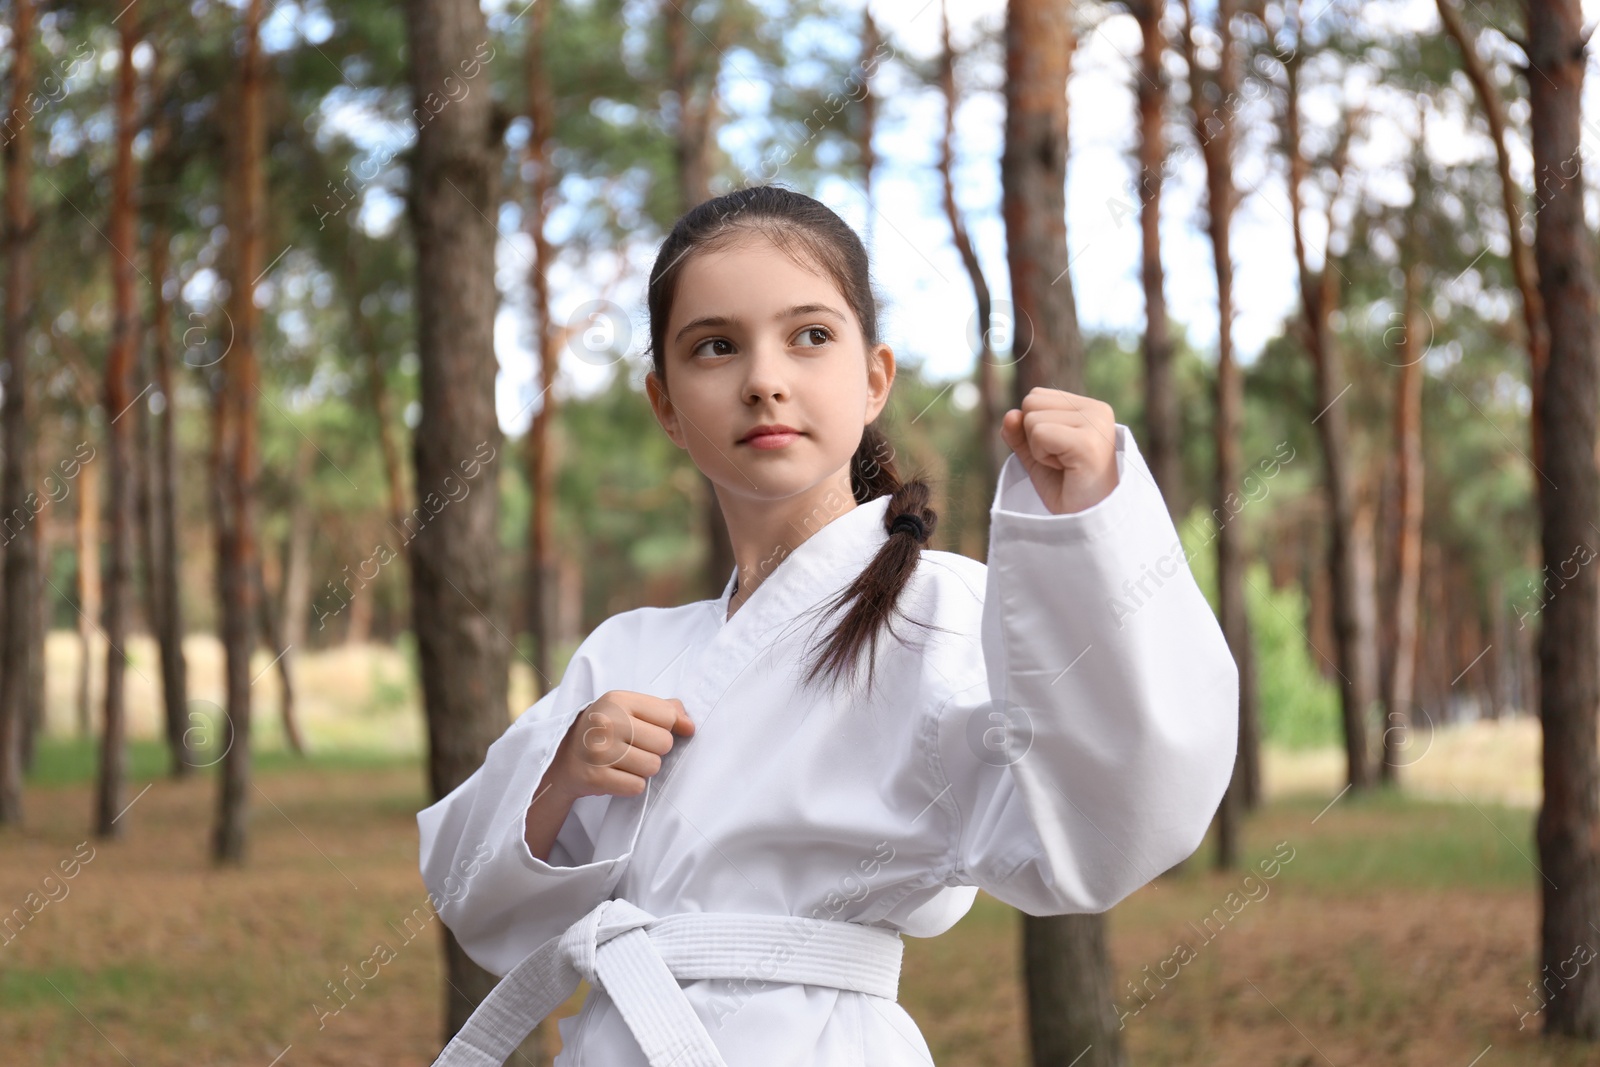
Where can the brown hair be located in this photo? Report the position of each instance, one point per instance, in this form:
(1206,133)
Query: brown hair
(809,231)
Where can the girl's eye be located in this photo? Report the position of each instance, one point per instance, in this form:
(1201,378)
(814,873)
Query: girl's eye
(695,351)
(827,335)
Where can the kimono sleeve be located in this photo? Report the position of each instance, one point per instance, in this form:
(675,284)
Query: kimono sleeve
(500,900)
(1106,737)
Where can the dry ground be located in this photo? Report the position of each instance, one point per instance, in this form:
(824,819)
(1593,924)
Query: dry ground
(1401,932)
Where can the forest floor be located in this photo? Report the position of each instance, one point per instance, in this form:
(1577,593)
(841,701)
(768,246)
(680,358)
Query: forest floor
(1394,929)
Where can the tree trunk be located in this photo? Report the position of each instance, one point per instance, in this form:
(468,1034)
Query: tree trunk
(239,554)
(455,559)
(1522,263)
(537,456)
(1209,94)
(20,549)
(42,619)
(1398,737)
(297,561)
(358,624)
(1066,967)
(119,398)
(272,629)
(1071,1017)
(88,534)
(1162,424)
(1047,346)
(692,150)
(990,409)
(149,508)
(871,41)
(1354,619)
(1569,491)
(165,568)
(378,390)
(1161,417)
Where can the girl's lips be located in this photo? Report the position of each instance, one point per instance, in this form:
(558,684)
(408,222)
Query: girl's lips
(771,440)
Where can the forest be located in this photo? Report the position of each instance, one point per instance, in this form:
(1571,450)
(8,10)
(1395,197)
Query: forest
(325,441)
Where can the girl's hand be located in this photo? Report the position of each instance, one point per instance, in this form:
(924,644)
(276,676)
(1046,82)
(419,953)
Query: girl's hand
(1067,444)
(615,744)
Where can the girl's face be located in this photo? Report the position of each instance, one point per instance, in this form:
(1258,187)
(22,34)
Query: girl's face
(756,339)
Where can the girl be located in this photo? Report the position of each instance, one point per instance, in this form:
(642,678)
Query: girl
(711,818)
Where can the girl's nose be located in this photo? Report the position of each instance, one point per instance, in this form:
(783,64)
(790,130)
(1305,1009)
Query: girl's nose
(764,377)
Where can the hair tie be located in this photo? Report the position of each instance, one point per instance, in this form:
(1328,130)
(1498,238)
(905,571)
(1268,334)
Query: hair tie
(911,524)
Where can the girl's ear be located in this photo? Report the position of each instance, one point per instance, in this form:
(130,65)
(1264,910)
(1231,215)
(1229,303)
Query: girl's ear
(880,378)
(661,404)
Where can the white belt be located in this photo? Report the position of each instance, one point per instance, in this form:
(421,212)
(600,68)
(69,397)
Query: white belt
(638,959)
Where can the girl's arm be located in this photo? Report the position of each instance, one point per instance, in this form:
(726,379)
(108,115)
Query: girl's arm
(1111,719)
(545,816)
(499,897)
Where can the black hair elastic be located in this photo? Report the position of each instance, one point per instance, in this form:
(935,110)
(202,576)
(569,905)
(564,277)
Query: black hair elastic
(910,524)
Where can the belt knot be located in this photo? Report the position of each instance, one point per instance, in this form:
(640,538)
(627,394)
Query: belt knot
(607,920)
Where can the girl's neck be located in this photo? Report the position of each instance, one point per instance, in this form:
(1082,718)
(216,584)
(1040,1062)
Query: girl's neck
(765,533)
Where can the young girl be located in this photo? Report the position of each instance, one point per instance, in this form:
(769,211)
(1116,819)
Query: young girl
(727,813)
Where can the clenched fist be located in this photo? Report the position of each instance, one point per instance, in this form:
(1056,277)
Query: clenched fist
(616,743)
(1067,444)
(613,746)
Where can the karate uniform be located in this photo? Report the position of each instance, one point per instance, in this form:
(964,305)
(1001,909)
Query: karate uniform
(1061,736)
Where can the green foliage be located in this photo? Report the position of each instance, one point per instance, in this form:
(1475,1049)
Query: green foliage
(1299,707)
(61,761)
(339,318)
(1389,839)
(388,693)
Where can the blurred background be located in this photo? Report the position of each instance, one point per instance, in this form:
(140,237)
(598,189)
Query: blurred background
(324,434)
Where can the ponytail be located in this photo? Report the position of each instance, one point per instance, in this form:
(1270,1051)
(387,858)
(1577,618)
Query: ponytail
(869,601)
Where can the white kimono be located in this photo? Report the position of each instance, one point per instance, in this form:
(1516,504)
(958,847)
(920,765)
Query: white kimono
(1064,736)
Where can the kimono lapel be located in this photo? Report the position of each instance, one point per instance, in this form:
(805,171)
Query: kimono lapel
(815,571)
(862,523)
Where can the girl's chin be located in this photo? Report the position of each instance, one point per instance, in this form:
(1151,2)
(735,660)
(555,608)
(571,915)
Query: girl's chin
(753,483)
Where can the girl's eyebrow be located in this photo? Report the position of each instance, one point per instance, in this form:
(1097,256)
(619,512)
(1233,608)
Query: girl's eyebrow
(786,313)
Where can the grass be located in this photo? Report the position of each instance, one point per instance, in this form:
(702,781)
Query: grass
(63,761)
(1388,839)
(1402,930)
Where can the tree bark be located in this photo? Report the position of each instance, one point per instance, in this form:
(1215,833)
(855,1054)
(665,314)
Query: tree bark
(871,40)
(455,557)
(21,547)
(272,629)
(1349,564)
(165,568)
(1066,965)
(1162,424)
(239,555)
(1072,1019)
(538,458)
(297,554)
(378,390)
(1568,828)
(1047,345)
(88,535)
(1523,267)
(1209,95)
(692,152)
(119,398)
(1399,735)
(990,409)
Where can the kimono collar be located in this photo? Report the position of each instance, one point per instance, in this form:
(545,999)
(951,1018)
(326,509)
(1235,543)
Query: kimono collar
(830,557)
